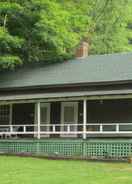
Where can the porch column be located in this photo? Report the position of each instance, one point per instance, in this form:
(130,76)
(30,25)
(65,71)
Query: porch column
(84,118)
(10,118)
(38,119)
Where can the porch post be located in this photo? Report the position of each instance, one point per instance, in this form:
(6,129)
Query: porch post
(38,119)
(10,118)
(84,118)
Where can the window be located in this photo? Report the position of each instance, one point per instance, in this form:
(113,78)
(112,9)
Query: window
(69,114)
(45,113)
(4,114)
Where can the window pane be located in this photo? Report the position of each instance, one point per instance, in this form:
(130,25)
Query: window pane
(69,114)
(43,114)
(4,114)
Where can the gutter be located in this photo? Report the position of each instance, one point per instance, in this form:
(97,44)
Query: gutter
(102,83)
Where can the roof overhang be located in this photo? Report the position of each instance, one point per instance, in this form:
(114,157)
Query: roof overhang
(89,84)
(64,96)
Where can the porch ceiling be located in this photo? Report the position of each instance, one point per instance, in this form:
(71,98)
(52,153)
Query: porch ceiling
(61,95)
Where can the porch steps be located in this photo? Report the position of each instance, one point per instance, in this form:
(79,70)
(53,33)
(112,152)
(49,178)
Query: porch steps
(114,149)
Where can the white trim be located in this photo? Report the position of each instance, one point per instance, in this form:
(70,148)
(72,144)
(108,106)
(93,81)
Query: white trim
(74,98)
(75,105)
(84,118)
(10,116)
(35,119)
(69,132)
(38,119)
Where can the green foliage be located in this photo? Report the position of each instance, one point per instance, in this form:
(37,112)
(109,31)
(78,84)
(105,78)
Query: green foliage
(108,30)
(111,33)
(9,61)
(9,8)
(49,31)
(9,43)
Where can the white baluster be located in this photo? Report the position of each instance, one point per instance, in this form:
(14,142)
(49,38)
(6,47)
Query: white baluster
(38,118)
(84,119)
(117,128)
(24,129)
(101,128)
(54,128)
(68,128)
(11,128)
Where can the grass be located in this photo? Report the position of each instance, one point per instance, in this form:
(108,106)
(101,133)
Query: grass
(15,170)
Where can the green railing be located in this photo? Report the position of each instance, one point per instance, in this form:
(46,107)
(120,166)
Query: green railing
(69,148)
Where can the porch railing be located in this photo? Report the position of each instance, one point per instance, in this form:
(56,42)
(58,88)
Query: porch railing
(66,129)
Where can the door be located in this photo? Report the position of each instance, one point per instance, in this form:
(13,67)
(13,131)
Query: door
(69,115)
(24,114)
(45,118)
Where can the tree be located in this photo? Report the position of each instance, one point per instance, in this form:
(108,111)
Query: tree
(108,31)
(111,33)
(49,31)
(38,31)
(9,44)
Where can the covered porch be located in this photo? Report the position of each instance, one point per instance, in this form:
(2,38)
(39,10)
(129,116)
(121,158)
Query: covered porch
(66,118)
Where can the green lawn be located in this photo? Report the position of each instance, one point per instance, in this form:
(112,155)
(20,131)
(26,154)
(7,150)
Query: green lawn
(15,170)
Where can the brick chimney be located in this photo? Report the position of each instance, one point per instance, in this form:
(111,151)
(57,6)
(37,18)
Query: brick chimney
(82,50)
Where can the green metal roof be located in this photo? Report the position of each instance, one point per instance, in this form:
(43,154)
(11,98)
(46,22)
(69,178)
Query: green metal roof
(93,69)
